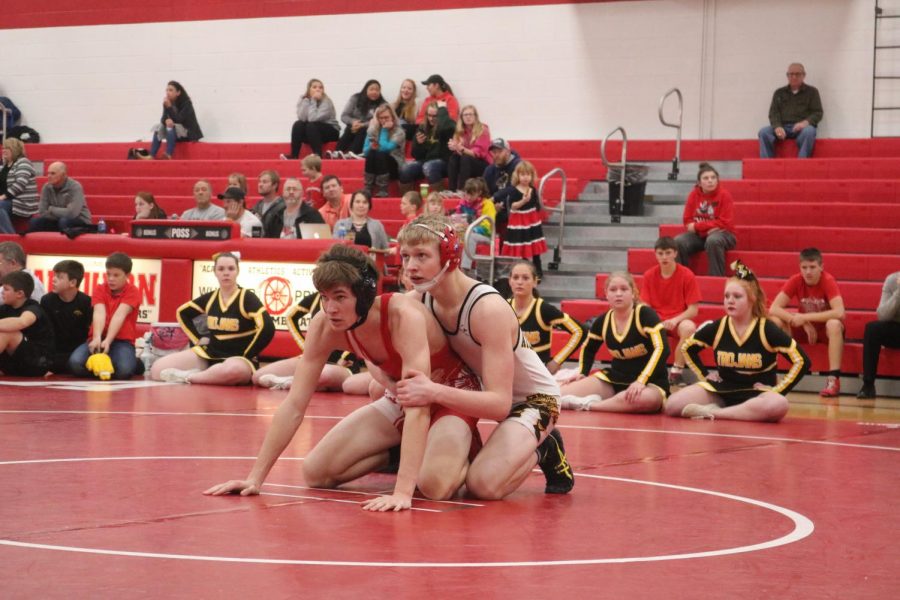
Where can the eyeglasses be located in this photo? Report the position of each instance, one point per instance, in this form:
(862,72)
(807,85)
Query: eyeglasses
(795,74)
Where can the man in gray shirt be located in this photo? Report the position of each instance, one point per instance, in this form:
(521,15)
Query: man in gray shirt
(795,113)
(883,332)
(62,203)
(205,209)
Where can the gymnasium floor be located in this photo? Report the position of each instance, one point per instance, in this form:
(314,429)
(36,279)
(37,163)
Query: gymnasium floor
(101,482)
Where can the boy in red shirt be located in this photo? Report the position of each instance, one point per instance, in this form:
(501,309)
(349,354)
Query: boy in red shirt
(114,325)
(672,291)
(311,167)
(820,316)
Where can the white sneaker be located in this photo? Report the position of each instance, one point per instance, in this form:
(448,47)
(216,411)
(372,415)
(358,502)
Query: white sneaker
(173,375)
(699,411)
(354,155)
(570,402)
(276,382)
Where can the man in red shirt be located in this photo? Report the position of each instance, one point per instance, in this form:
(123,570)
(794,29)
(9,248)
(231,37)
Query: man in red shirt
(114,326)
(672,291)
(820,316)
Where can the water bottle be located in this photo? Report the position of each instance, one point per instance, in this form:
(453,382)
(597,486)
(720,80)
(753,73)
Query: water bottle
(341,232)
(101,226)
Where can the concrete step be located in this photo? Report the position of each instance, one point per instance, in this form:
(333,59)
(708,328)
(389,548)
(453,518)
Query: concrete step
(580,260)
(607,235)
(588,209)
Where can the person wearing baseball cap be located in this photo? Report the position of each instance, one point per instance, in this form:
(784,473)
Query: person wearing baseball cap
(498,176)
(233,201)
(440,93)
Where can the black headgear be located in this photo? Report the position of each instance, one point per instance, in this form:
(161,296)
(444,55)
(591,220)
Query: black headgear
(365,289)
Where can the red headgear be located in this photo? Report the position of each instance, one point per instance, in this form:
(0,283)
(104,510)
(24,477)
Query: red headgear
(450,247)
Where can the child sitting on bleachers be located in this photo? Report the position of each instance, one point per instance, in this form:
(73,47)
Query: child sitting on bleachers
(820,314)
(410,205)
(434,205)
(311,167)
(476,203)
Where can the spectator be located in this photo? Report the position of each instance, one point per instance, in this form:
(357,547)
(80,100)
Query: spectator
(114,323)
(10,115)
(337,205)
(430,151)
(283,221)
(885,331)
(475,204)
(145,207)
(538,318)
(361,229)
(440,93)
(238,329)
(672,291)
(62,203)
(795,113)
(498,174)
(384,151)
(746,346)
(235,210)
(410,206)
(238,180)
(178,121)
(18,185)
(205,209)
(311,167)
(434,204)
(358,116)
(709,219)
(26,335)
(469,154)
(70,312)
(405,107)
(525,234)
(267,184)
(12,258)
(820,316)
(316,122)
(635,381)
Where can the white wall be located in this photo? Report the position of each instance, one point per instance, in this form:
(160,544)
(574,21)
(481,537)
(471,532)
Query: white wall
(545,72)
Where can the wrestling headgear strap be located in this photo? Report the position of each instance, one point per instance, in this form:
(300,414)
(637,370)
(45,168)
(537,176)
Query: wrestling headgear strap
(450,253)
(365,289)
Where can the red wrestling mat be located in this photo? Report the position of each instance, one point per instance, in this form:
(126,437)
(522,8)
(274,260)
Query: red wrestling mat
(101,498)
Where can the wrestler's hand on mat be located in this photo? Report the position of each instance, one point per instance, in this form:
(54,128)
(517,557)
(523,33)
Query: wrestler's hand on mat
(415,390)
(243,487)
(394,502)
(633,393)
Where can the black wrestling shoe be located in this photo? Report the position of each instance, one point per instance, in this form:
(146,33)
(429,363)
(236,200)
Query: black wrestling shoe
(866,392)
(393,464)
(553,462)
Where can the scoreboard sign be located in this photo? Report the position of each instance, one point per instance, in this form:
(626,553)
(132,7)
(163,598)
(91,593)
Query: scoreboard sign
(182,230)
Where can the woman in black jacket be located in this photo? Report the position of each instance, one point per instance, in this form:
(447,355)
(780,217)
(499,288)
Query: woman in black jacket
(178,121)
(358,115)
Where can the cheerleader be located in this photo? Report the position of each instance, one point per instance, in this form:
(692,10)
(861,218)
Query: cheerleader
(538,318)
(524,233)
(746,346)
(344,372)
(239,328)
(636,381)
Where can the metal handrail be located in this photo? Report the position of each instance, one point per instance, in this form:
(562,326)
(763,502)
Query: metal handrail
(3,117)
(616,212)
(662,119)
(560,208)
(476,257)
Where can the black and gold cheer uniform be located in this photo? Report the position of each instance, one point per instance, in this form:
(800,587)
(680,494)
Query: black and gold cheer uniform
(241,328)
(744,362)
(639,352)
(298,320)
(537,322)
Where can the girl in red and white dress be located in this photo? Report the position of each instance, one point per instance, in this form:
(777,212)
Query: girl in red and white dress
(524,234)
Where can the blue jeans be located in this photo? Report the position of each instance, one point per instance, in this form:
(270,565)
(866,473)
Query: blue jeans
(170,142)
(806,140)
(6,225)
(432,170)
(53,224)
(121,353)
